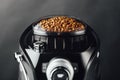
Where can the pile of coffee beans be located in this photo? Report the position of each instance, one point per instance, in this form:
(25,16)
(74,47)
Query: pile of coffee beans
(61,24)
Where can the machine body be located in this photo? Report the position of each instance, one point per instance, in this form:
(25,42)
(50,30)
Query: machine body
(46,55)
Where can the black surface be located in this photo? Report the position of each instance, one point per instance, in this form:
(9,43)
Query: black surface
(102,15)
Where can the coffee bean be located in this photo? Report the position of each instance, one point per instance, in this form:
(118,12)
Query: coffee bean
(61,24)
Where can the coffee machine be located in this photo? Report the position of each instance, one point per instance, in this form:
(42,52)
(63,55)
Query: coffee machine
(46,55)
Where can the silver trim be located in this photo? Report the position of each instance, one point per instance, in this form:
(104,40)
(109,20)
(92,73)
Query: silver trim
(56,69)
(85,56)
(36,47)
(63,44)
(34,56)
(98,54)
(59,62)
(55,43)
(37,30)
(19,58)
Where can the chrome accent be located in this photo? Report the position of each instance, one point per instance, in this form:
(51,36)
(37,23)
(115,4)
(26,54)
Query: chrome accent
(98,54)
(64,69)
(39,46)
(37,30)
(36,47)
(59,62)
(19,58)
(86,55)
(34,56)
(55,43)
(63,44)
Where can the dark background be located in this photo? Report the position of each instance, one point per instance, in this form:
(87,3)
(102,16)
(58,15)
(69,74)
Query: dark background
(102,15)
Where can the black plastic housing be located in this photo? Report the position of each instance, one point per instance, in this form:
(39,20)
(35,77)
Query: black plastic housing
(75,44)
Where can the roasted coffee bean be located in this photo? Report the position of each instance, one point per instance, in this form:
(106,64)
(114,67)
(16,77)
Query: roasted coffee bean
(61,24)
